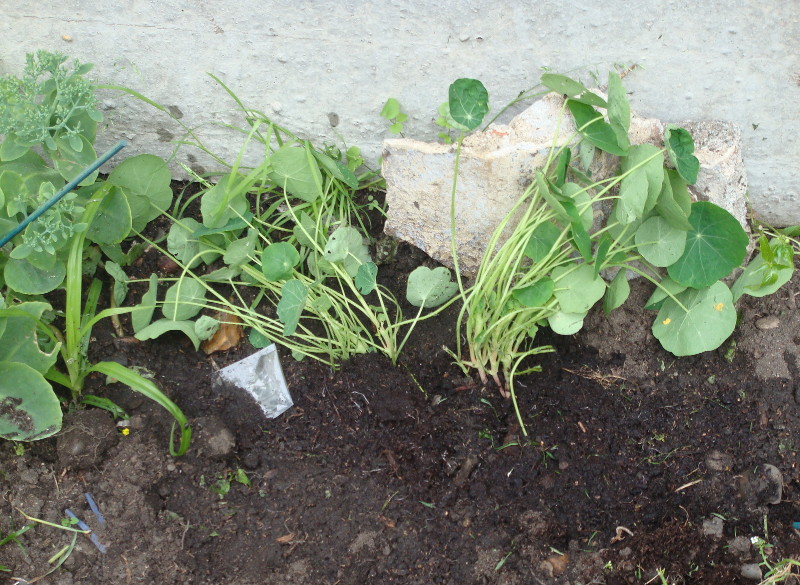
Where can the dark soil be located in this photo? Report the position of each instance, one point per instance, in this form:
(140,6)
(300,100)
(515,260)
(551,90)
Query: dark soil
(635,461)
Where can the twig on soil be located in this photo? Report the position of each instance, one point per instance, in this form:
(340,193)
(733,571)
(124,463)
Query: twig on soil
(686,485)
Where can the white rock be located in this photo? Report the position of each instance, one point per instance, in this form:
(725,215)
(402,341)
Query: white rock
(498,164)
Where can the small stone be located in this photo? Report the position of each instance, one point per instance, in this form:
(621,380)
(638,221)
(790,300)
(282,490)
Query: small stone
(713,527)
(251,460)
(719,461)
(769,322)
(762,485)
(740,546)
(215,439)
(463,37)
(751,571)
(171,467)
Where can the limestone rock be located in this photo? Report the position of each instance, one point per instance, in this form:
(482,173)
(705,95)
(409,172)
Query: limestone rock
(498,164)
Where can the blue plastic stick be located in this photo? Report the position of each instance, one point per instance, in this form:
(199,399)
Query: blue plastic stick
(66,189)
(95,509)
(92,536)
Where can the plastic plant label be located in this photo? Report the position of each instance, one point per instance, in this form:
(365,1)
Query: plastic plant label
(261,376)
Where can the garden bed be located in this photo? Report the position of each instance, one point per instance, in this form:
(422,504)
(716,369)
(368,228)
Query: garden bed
(635,461)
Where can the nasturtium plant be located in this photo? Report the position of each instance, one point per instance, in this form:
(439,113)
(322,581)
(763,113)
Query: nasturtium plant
(295,169)
(706,319)
(680,148)
(290,307)
(715,245)
(278,260)
(183,300)
(658,242)
(468,102)
(346,245)
(29,409)
(772,267)
(430,287)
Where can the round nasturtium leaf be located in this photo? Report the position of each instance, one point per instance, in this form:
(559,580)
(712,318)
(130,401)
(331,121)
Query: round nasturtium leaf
(430,288)
(183,300)
(542,241)
(23,277)
(278,260)
(535,295)
(658,242)
(566,323)
(708,320)
(468,101)
(715,245)
(577,288)
(29,409)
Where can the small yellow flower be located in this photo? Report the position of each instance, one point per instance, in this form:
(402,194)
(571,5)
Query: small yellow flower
(719,306)
(666,321)
(126,431)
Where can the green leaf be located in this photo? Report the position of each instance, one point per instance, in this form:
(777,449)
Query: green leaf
(641,186)
(566,323)
(619,110)
(543,239)
(674,202)
(278,261)
(23,277)
(761,278)
(535,295)
(346,245)
(221,204)
(205,327)
(162,326)
(306,231)
(562,165)
(29,409)
(666,287)
(143,314)
(571,88)
(390,109)
(183,300)
(145,180)
(580,237)
(19,337)
(290,307)
(120,281)
(601,253)
(70,162)
(577,288)
(241,251)
(618,291)
(430,288)
(257,339)
(294,169)
(709,321)
(336,169)
(113,221)
(658,242)
(365,277)
(715,245)
(680,148)
(593,128)
(581,198)
(468,101)
(11,148)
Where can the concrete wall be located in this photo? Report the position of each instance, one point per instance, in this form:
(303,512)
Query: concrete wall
(302,62)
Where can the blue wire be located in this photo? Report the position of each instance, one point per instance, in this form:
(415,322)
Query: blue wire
(66,189)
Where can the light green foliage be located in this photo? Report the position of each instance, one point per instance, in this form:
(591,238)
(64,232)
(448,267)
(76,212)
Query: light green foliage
(145,309)
(278,261)
(365,279)
(346,245)
(772,267)
(680,148)
(641,186)
(430,288)
(545,262)
(577,288)
(295,170)
(617,293)
(391,112)
(29,410)
(595,129)
(161,326)
(708,319)
(183,300)
(658,242)
(291,305)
